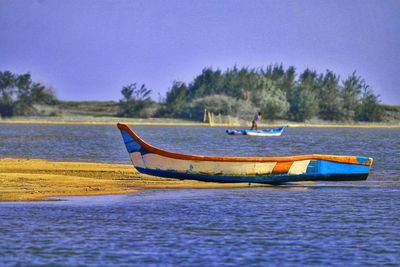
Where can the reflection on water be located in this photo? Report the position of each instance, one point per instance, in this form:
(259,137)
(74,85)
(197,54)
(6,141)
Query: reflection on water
(329,224)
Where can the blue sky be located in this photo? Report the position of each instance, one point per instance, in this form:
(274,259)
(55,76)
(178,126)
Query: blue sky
(88,50)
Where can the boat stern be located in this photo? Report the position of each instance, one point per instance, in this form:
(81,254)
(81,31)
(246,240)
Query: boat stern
(339,171)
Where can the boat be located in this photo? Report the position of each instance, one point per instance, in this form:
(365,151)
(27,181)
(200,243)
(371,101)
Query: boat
(268,132)
(151,160)
(236,132)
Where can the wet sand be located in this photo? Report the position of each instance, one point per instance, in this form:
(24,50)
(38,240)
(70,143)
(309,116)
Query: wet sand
(37,179)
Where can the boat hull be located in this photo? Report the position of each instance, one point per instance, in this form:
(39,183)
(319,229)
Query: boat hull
(235,132)
(248,172)
(273,179)
(153,161)
(270,132)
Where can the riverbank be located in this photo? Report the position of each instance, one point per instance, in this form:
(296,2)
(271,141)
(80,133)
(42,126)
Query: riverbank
(106,120)
(37,179)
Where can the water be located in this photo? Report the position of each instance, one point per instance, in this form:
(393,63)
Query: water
(330,224)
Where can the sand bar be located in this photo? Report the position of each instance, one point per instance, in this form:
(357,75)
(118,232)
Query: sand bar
(37,179)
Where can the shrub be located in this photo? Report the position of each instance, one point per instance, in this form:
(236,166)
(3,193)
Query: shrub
(137,109)
(218,104)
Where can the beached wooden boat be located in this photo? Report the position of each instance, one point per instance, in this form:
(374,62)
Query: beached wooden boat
(270,170)
(268,132)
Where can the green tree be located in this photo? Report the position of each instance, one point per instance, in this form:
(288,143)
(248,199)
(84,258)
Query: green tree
(177,98)
(127,91)
(304,104)
(136,102)
(369,109)
(43,95)
(231,85)
(177,95)
(350,95)
(303,98)
(276,74)
(289,81)
(142,93)
(207,83)
(23,104)
(7,90)
(18,94)
(132,92)
(270,100)
(330,106)
(273,91)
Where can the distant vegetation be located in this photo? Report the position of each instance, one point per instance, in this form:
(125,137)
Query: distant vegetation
(239,92)
(136,102)
(18,94)
(274,91)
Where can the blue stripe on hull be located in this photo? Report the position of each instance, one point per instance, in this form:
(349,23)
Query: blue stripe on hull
(334,168)
(272,179)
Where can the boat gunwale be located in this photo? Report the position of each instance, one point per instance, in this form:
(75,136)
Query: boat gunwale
(165,153)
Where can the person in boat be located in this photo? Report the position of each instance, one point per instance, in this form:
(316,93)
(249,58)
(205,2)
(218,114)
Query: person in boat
(256,119)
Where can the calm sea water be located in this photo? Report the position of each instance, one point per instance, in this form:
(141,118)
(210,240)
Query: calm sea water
(329,224)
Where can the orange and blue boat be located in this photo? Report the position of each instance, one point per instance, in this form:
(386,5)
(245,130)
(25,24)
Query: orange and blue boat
(151,160)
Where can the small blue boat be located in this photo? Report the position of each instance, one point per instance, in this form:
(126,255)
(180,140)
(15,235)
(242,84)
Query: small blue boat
(268,132)
(236,132)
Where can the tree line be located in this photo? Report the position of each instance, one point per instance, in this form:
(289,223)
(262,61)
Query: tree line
(18,94)
(276,92)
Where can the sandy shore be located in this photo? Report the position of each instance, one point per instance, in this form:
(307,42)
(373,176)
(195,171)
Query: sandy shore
(36,179)
(91,120)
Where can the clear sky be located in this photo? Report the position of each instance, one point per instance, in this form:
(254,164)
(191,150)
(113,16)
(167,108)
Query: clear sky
(90,49)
